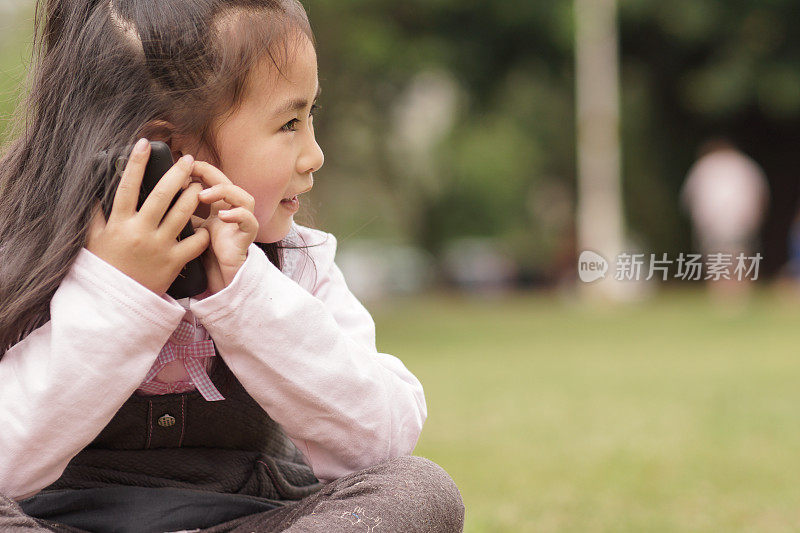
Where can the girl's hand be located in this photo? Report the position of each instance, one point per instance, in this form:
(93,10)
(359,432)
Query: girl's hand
(140,243)
(231,224)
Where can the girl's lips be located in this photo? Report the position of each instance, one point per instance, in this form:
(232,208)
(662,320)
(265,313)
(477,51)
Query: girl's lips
(292,205)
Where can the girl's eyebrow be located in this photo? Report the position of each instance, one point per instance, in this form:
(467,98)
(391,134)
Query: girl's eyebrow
(296,103)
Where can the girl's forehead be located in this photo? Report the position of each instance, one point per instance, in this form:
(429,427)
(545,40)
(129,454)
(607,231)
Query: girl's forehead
(298,77)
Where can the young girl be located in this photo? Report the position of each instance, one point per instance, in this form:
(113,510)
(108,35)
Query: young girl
(259,405)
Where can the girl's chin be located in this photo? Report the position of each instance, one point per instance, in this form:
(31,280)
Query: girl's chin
(275,231)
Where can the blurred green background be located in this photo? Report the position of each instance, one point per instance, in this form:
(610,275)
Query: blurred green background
(446,120)
(554,417)
(493,153)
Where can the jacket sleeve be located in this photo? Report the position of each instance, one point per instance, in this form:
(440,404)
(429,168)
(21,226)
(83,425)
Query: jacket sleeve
(308,357)
(65,380)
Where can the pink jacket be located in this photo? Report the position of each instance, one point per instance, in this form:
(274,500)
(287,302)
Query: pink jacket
(304,349)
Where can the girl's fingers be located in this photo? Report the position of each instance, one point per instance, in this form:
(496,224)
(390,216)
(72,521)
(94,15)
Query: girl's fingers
(245,219)
(157,202)
(127,195)
(197,221)
(191,247)
(210,174)
(229,193)
(180,213)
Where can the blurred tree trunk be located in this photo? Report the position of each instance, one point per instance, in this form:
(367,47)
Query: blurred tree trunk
(599,207)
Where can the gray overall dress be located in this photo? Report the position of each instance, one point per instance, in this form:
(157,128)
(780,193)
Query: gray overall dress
(211,461)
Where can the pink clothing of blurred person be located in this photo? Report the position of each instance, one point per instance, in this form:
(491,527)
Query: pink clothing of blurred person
(726,194)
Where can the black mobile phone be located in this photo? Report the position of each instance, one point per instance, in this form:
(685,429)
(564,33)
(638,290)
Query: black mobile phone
(192,280)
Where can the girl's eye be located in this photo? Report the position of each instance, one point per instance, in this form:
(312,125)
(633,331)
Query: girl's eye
(290,126)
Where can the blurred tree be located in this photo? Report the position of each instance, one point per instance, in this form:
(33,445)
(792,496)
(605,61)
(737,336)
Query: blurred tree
(689,69)
(700,68)
(511,133)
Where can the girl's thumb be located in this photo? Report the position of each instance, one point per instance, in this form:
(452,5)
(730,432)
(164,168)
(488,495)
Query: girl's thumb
(197,221)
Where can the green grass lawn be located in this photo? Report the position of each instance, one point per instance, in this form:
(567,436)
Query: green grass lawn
(15,50)
(663,416)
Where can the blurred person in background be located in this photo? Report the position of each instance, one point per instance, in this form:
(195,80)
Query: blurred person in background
(726,195)
(790,275)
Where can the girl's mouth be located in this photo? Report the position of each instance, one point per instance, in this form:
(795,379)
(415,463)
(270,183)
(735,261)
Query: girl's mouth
(292,204)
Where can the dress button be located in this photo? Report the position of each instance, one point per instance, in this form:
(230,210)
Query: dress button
(166,421)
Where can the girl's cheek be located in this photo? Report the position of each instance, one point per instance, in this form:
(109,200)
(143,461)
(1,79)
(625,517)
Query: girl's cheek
(265,214)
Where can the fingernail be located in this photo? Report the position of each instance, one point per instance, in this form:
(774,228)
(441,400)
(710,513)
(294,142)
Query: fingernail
(140,145)
(187,160)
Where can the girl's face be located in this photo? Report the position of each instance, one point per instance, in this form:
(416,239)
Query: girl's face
(267,147)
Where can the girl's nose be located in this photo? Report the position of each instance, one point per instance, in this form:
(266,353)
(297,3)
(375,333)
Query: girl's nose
(312,158)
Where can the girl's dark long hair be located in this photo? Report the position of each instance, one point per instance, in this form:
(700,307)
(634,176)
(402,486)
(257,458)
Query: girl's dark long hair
(105,73)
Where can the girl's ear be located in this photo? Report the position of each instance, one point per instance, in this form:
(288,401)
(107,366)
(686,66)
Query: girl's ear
(180,145)
(164,131)
(158,130)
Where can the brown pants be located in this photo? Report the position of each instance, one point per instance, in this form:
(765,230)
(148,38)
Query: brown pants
(407,494)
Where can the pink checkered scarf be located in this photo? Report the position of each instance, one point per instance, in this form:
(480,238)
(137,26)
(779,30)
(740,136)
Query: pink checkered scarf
(181,345)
